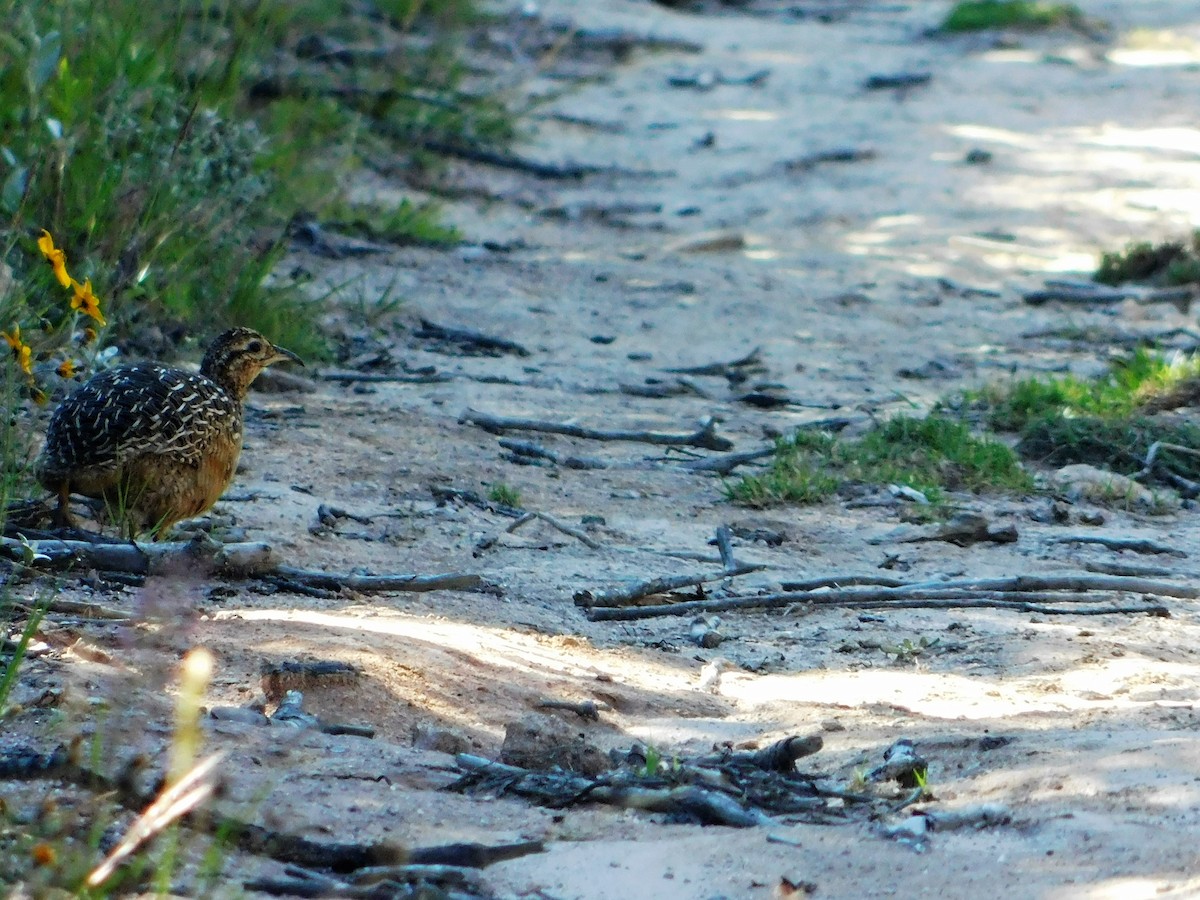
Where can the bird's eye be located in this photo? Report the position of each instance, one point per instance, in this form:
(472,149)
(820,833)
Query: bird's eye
(254,346)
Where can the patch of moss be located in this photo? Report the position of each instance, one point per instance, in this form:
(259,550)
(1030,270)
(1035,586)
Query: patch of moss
(932,455)
(979,15)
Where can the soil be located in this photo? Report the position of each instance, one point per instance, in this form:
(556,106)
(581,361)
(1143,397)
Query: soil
(871,285)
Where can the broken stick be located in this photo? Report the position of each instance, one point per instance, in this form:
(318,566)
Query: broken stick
(621,596)
(705,437)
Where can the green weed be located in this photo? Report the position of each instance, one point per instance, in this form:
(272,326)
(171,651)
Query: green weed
(932,455)
(505,495)
(1104,421)
(978,15)
(1170,263)
(1131,383)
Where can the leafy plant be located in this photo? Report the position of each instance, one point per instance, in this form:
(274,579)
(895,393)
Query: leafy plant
(932,455)
(1168,263)
(978,15)
(505,495)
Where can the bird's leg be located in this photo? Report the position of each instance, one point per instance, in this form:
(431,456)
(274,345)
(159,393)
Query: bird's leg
(62,515)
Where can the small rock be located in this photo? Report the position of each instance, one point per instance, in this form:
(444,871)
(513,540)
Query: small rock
(542,743)
(1084,482)
(441,740)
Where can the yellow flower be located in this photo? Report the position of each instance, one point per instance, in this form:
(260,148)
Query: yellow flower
(87,302)
(56,258)
(89,336)
(22,352)
(66,368)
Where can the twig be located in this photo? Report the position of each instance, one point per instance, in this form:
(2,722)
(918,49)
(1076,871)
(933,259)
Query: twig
(468,338)
(80,609)
(585,709)
(705,437)
(1148,466)
(555,523)
(524,451)
(735,370)
(451,581)
(1088,293)
(723,465)
(724,538)
(374,378)
(632,593)
(1137,545)
(501,160)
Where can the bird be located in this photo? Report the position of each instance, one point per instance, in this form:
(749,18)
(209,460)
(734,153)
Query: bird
(157,443)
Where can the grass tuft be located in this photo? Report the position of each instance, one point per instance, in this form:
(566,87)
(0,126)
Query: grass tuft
(979,15)
(932,455)
(1171,263)
(1106,421)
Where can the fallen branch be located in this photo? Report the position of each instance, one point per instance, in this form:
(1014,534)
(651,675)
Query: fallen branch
(245,560)
(451,581)
(736,370)
(585,709)
(502,160)
(468,338)
(996,592)
(580,536)
(1137,545)
(723,465)
(705,437)
(375,378)
(527,452)
(632,593)
(1090,294)
(647,612)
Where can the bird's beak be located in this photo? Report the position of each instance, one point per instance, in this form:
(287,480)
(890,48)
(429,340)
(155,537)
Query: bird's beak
(282,355)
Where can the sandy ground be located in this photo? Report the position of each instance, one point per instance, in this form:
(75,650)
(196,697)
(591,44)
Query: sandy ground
(844,274)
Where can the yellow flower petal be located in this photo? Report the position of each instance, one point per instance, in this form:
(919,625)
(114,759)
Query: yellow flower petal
(13,339)
(66,368)
(46,244)
(56,258)
(25,359)
(87,302)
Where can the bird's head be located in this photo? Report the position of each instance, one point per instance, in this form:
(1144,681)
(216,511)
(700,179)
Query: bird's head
(236,357)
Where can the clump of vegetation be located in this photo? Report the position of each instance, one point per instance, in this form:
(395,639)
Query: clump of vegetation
(979,15)
(1170,263)
(161,151)
(166,149)
(1132,383)
(931,455)
(1104,421)
(505,495)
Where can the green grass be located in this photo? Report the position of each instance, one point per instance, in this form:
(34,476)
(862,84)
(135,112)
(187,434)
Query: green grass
(1130,382)
(1103,421)
(505,495)
(932,455)
(1170,263)
(979,15)
(166,147)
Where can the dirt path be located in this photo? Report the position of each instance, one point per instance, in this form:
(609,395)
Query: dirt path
(844,273)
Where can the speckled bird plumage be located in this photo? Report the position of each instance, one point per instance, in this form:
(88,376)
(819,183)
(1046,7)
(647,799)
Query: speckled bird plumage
(160,442)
